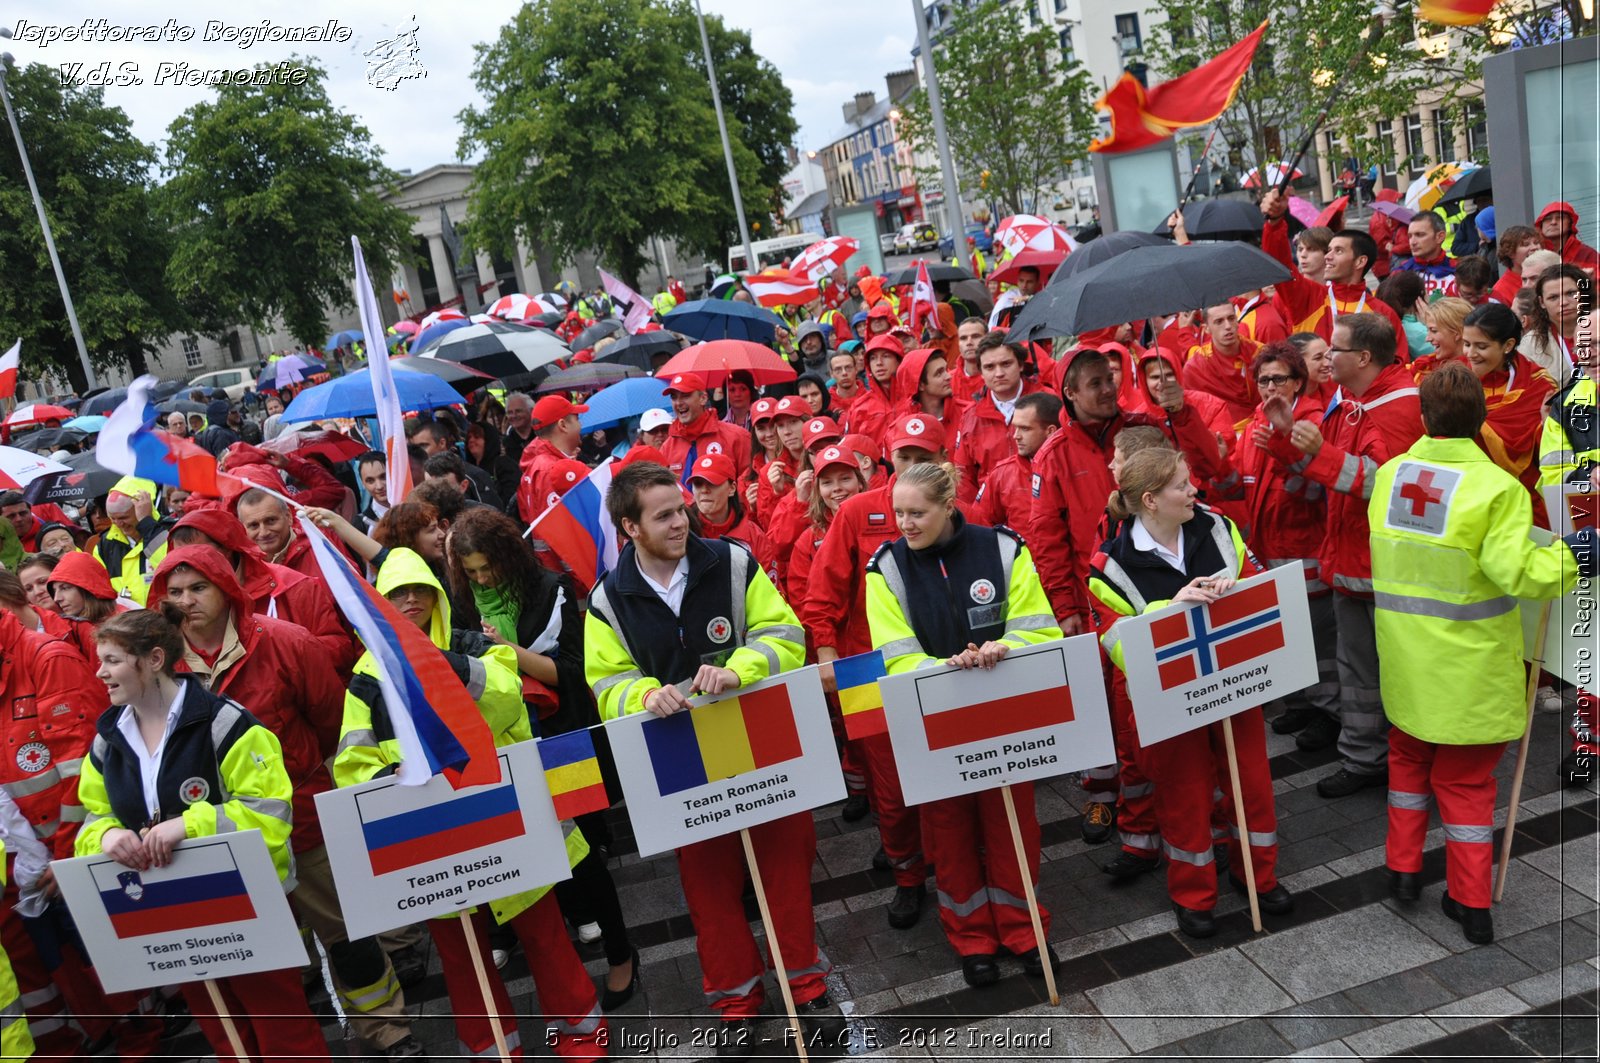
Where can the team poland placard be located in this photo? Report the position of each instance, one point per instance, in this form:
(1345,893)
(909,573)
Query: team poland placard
(1191,664)
(407,853)
(1040,712)
(757,754)
(217,909)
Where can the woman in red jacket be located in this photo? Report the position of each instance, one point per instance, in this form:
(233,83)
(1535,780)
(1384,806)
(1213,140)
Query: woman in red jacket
(1285,515)
(777,480)
(1515,390)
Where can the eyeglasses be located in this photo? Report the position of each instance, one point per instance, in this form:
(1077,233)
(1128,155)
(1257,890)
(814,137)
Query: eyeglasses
(1273,381)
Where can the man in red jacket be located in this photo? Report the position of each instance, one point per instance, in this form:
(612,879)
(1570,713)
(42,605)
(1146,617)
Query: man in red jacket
(556,437)
(1006,494)
(29,519)
(1558,224)
(280,672)
(698,430)
(1379,418)
(871,414)
(1220,366)
(983,433)
(270,525)
(1312,307)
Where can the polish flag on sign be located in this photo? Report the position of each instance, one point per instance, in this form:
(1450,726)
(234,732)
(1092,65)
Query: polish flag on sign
(10,362)
(1208,638)
(1038,697)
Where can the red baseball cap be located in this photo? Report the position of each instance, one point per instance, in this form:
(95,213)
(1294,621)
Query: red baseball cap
(685,384)
(714,469)
(567,474)
(832,455)
(642,452)
(861,443)
(917,430)
(763,410)
(819,430)
(792,406)
(550,409)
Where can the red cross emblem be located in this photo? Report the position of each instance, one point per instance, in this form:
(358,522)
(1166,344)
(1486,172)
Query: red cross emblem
(33,757)
(1420,499)
(193,790)
(719,629)
(1421,493)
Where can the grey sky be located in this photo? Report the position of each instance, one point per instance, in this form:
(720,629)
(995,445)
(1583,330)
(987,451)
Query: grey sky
(827,50)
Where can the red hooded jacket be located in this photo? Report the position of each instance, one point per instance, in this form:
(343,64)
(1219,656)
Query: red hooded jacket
(284,676)
(708,434)
(983,439)
(1574,250)
(312,484)
(1285,514)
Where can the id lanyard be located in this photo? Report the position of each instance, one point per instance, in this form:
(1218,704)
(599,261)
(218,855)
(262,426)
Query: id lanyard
(1333,306)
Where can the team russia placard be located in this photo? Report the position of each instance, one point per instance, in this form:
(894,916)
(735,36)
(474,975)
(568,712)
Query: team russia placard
(1040,712)
(757,754)
(1192,664)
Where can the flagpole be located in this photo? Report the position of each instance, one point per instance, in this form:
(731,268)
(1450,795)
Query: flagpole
(1374,34)
(772,943)
(495,1028)
(750,263)
(228,1027)
(1535,667)
(1244,830)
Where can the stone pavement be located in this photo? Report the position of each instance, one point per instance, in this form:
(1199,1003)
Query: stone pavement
(1350,974)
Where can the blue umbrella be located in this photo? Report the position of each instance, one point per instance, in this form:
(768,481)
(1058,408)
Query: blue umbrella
(622,400)
(351,396)
(432,334)
(713,319)
(345,338)
(90,424)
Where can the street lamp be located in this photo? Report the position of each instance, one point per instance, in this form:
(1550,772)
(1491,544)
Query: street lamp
(727,150)
(44,222)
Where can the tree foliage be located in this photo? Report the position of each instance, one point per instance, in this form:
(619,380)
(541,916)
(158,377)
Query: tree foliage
(267,183)
(94,176)
(1011,110)
(599,132)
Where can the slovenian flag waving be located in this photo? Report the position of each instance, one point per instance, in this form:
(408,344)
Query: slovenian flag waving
(129,444)
(435,720)
(578,529)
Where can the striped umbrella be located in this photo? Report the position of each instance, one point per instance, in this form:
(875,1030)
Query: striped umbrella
(823,257)
(519,307)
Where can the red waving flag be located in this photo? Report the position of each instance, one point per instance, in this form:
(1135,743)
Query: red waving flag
(1141,117)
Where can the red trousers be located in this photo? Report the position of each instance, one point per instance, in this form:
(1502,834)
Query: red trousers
(1461,779)
(1187,771)
(1136,806)
(713,874)
(566,993)
(899,826)
(852,759)
(269,1013)
(982,902)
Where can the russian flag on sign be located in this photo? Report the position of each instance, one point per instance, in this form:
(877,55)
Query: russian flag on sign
(130,445)
(578,529)
(203,889)
(399,836)
(1204,639)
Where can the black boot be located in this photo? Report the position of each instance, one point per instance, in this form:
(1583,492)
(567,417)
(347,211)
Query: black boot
(906,908)
(980,970)
(1293,720)
(1099,820)
(1345,782)
(1405,885)
(855,808)
(1195,923)
(1126,866)
(1476,923)
(1319,733)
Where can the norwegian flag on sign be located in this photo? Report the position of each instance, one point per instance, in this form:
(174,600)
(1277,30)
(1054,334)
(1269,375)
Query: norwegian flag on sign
(1210,638)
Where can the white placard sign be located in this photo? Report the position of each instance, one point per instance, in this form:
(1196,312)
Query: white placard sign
(1190,665)
(1040,712)
(1571,645)
(218,909)
(408,853)
(755,755)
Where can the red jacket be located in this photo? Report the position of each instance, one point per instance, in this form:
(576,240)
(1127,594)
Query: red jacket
(1506,288)
(1260,320)
(708,435)
(1006,495)
(1357,437)
(1286,514)
(49,702)
(1304,303)
(1577,253)
(43,513)
(741,529)
(311,485)
(767,496)
(79,634)
(533,489)
(284,676)
(1071,483)
(983,440)
(801,556)
(1227,376)
(870,413)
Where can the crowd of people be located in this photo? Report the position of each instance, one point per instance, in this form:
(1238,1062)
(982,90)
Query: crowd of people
(178,666)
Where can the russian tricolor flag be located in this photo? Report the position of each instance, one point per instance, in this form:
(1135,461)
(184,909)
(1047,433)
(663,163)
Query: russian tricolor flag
(579,530)
(398,838)
(435,720)
(130,445)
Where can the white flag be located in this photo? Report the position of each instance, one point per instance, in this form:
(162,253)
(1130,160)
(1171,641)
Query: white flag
(638,312)
(386,400)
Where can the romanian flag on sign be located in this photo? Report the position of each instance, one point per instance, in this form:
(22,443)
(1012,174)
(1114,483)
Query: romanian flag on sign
(860,700)
(1142,117)
(573,771)
(1455,12)
(722,739)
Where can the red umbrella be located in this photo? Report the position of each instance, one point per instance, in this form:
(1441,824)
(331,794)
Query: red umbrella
(716,359)
(335,446)
(1043,261)
(37,413)
(1333,214)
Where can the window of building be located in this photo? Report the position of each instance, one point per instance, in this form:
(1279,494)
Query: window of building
(1128,33)
(1386,147)
(1477,123)
(1061,5)
(1444,134)
(1417,157)
(1068,56)
(191,352)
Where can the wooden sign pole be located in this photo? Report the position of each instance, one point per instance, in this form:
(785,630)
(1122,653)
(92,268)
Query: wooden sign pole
(1535,667)
(1033,901)
(1244,830)
(772,943)
(228,1027)
(483,987)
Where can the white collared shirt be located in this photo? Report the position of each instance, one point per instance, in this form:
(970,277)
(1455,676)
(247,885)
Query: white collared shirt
(1006,408)
(149,762)
(672,593)
(1143,540)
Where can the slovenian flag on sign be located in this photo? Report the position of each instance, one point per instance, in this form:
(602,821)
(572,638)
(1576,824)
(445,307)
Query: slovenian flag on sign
(211,892)
(130,445)
(860,700)
(435,720)
(578,529)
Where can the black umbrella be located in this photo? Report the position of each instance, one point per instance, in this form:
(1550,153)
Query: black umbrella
(589,376)
(1103,249)
(1475,184)
(640,349)
(1145,282)
(937,271)
(606,327)
(85,479)
(549,319)
(46,440)
(102,403)
(1219,219)
(181,406)
(463,378)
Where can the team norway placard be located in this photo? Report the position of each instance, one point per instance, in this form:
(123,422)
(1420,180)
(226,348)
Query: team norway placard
(1040,712)
(1190,664)
(407,853)
(217,910)
(757,754)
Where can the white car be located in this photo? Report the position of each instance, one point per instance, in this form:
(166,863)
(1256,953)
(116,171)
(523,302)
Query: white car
(886,242)
(234,381)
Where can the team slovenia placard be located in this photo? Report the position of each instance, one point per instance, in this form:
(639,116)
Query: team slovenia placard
(1040,712)
(761,753)
(1192,664)
(217,910)
(407,853)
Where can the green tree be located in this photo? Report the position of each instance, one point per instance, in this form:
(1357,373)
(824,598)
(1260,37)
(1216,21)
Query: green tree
(94,176)
(267,183)
(1016,117)
(599,132)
